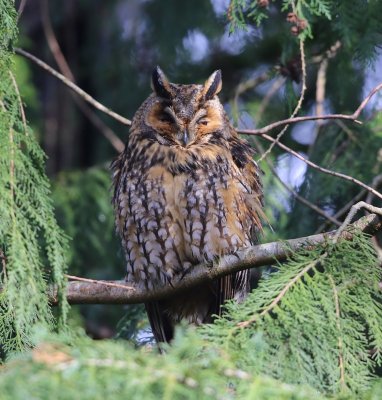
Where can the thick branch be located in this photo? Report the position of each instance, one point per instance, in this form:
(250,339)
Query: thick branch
(255,256)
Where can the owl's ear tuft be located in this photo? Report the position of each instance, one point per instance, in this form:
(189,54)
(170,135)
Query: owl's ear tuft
(160,84)
(213,85)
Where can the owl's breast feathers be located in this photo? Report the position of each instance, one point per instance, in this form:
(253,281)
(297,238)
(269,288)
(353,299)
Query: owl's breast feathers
(177,206)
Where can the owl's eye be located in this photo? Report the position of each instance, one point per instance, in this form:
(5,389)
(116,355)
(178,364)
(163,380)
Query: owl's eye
(164,117)
(202,121)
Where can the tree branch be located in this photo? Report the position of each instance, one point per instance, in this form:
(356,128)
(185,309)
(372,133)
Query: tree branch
(74,87)
(343,210)
(321,169)
(293,192)
(353,117)
(252,257)
(299,103)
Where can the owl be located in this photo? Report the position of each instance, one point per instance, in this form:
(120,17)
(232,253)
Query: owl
(186,191)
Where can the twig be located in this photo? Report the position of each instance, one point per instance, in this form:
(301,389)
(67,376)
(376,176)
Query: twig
(259,146)
(351,214)
(248,85)
(343,210)
(98,282)
(307,203)
(251,84)
(53,43)
(352,117)
(296,195)
(54,46)
(320,88)
(252,257)
(74,87)
(21,8)
(332,52)
(277,84)
(321,169)
(299,103)
(338,322)
(13,79)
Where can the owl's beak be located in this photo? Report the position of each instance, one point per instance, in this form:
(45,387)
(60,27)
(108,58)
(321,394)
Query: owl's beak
(185,137)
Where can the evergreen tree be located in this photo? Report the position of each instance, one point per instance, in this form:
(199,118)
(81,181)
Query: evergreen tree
(32,246)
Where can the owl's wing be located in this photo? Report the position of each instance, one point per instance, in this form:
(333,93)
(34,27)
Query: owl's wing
(242,154)
(237,285)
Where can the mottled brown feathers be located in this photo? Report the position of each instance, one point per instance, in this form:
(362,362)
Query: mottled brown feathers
(186,190)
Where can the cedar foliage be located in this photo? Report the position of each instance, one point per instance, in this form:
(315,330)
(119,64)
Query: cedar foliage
(330,309)
(290,353)
(30,238)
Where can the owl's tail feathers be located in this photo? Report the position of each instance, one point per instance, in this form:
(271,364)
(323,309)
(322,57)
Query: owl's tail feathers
(161,325)
(234,286)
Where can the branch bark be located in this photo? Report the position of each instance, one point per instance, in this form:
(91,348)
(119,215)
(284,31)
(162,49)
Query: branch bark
(252,257)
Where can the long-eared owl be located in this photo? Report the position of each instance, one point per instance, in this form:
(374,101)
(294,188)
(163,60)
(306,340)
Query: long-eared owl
(186,191)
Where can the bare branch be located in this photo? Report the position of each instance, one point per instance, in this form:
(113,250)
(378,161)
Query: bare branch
(331,53)
(296,195)
(320,87)
(248,85)
(321,169)
(74,87)
(343,210)
(299,103)
(353,117)
(353,211)
(252,257)
(21,8)
(276,86)
(307,203)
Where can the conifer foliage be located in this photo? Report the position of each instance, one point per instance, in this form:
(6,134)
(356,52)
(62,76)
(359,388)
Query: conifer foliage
(30,239)
(317,320)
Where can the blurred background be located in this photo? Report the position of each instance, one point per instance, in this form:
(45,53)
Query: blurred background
(110,49)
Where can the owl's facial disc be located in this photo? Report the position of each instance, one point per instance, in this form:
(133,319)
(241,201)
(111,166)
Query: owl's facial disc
(185,114)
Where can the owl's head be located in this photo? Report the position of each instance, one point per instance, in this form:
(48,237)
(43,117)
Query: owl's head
(184,115)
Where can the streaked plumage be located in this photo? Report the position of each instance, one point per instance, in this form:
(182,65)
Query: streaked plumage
(186,190)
